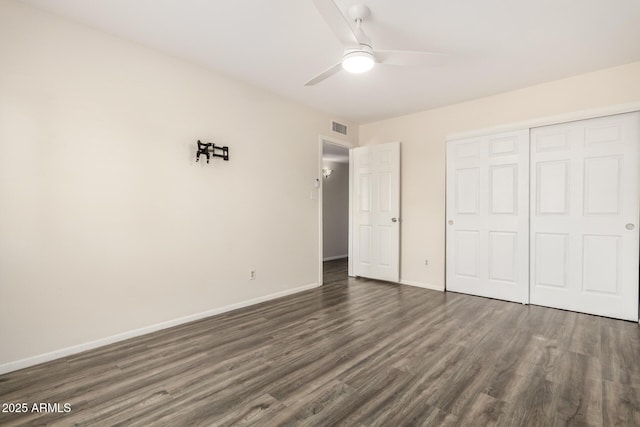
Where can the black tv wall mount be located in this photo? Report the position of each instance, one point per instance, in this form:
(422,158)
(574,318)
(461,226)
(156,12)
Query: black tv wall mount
(211,150)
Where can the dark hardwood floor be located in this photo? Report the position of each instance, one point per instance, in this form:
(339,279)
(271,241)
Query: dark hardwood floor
(357,353)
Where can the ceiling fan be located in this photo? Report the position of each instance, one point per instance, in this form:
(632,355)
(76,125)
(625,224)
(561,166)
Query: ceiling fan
(359,55)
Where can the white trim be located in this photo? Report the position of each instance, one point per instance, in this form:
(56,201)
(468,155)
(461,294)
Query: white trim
(338,142)
(549,120)
(67,351)
(331,258)
(350,247)
(422,285)
(320,213)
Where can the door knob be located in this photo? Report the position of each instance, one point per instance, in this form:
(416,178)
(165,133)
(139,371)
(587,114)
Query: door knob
(630,226)
(394,219)
(450,222)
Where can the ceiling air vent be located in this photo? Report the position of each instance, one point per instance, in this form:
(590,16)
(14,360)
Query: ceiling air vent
(339,127)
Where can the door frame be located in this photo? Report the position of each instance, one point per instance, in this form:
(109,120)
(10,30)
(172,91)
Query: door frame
(348,145)
(555,119)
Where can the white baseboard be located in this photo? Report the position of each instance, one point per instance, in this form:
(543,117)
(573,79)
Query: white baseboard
(331,258)
(422,285)
(67,351)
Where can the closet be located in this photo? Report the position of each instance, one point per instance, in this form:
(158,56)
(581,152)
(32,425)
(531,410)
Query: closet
(548,216)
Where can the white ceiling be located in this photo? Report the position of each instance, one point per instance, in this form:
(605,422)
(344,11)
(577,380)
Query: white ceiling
(493,45)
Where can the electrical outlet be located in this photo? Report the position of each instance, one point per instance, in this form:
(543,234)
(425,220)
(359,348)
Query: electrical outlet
(426,263)
(252,275)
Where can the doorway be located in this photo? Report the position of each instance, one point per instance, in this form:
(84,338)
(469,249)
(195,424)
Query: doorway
(334,211)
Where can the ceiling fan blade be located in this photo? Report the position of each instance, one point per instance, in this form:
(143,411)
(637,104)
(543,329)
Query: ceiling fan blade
(410,58)
(325,74)
(337,22)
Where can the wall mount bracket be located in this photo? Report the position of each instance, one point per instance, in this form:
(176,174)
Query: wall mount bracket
(209,150)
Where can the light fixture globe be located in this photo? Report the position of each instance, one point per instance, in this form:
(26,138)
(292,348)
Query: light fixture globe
(359,61)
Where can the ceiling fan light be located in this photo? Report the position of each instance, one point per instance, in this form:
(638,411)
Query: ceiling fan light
(358,62)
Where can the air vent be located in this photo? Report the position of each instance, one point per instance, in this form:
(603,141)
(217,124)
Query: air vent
(339,127)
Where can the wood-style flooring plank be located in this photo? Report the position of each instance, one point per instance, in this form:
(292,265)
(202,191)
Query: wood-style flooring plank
(353,352)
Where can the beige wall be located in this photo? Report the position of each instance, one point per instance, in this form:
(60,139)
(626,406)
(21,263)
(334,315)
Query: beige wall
(423,151)
(335,211)
(106,223)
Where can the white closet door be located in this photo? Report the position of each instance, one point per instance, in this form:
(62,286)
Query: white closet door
(488,216)
(584,216)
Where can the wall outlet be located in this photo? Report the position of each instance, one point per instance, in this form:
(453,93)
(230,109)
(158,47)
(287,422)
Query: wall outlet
(252,275)
(426,263)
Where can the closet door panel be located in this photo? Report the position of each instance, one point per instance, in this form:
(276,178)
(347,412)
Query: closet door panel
(584,216)
(487,216)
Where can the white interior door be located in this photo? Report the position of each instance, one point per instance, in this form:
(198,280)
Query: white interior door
(584,216)
(376,207)
(488,216)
